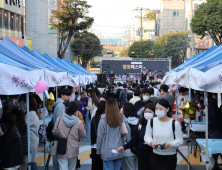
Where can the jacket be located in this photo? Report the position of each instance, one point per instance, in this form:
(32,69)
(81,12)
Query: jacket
(79,115)
(134,99)
(84,104)
(24,140)
(59,110)
(108,138)
(61,129)
(123,96)
(91,106)
(10,150)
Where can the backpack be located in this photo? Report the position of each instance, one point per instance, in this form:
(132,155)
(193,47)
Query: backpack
(135,148)
(173,126)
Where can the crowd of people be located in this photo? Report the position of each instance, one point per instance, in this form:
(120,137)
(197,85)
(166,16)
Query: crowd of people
(130,126)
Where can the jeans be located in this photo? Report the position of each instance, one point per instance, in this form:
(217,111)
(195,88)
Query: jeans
(112,165)
(55,163)
(88,126)
(34,166)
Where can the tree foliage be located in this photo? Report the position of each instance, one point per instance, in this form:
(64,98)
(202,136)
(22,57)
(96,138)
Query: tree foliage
(70,19)
(207,20)
(141,49)
(151,15)
(124,52)
(173,44)
(86,46)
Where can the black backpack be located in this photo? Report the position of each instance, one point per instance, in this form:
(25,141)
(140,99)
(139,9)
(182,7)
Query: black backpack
(135,148)
(173,126)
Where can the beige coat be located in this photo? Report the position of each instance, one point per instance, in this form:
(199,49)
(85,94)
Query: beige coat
(91,106)
(77,132)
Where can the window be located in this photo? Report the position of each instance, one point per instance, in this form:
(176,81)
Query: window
(12,21)
(6,19)
(176,14)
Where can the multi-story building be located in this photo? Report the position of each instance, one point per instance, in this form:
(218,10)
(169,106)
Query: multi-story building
(44,39)
(12,20)
(176,15)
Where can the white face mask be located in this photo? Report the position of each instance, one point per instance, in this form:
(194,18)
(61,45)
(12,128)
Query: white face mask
(148,116)
(146,98)
(160,113)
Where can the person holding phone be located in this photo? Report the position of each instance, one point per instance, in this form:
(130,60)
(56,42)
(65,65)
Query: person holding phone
(163,138)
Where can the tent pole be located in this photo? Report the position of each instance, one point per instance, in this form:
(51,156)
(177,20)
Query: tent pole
(57,93)
(190,94)
(176,100)
(28,127)
(206,135)
(44,142)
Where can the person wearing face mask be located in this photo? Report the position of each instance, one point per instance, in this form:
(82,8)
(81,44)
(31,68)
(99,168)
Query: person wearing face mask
(139,105)
(161,132)
(137,141)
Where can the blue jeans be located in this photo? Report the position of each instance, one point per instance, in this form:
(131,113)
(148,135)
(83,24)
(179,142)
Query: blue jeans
(34,166)
(88,126)
(112,165)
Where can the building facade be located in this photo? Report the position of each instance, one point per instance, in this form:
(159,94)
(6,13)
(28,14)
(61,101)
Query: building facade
(11,19)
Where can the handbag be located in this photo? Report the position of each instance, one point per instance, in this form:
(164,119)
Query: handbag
(62,144)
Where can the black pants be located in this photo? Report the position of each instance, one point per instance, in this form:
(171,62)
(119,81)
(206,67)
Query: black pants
(97,163)
(144,157)
(164,162)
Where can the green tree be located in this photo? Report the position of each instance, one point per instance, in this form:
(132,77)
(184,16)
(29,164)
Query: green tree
(151,15)
(124,52)
(173,44)
(207,20)
(86,46)
(141,49)
(69,20)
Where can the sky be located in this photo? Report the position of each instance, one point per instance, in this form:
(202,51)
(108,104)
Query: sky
(111,17)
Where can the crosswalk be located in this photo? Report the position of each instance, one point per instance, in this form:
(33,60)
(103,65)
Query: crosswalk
(85,151)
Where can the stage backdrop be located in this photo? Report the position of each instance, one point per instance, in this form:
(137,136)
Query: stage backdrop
(120,68)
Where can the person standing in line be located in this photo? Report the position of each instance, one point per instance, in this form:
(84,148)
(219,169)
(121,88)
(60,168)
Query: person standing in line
(144,151)
(34,131)
(164,91)
(83,102)
(92,104)
(69,126)
(97,163)
(123,95)
(130,161)
(111,131)
(59,109)
(164,140)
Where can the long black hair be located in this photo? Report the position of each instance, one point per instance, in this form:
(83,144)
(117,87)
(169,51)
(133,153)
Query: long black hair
(129,110)
(101,108)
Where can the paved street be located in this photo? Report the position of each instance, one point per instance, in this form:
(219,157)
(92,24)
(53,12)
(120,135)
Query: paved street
(85,160)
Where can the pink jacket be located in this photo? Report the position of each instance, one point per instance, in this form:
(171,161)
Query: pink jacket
(77,132)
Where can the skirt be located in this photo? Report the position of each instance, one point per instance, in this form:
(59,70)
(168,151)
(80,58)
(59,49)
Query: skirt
(164,162)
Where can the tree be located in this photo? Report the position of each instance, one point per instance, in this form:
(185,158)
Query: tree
(69,20)
(86,46)
(124,52)
(151,15)
(173,44)
(141,49)
(207,20)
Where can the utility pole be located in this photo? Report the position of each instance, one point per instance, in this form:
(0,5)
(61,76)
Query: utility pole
(141,20)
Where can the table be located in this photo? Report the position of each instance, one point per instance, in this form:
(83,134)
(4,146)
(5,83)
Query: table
(214,145)
(197,130)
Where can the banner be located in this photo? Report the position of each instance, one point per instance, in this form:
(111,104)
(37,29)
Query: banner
(51,78)
(52,5)
(74,82)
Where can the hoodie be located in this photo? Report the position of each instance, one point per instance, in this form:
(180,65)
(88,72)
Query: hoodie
(70,120)
(10,150)
(59,110)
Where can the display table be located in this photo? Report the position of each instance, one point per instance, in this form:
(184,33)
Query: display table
(214,145)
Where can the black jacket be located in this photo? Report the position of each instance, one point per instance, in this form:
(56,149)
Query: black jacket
(10,150)
(24,140)
(94,126)
(144,76)
(214,116)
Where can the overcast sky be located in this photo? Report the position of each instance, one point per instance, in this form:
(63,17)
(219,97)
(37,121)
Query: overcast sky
(111,16)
